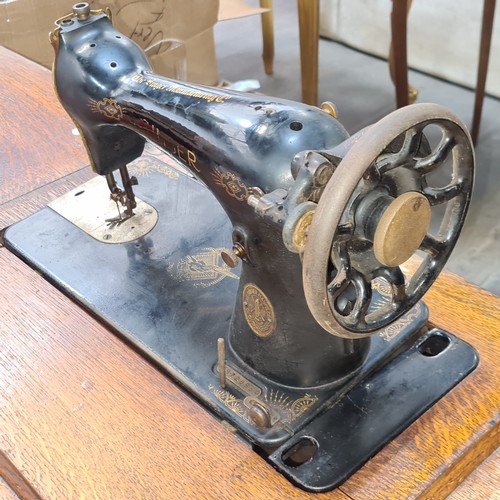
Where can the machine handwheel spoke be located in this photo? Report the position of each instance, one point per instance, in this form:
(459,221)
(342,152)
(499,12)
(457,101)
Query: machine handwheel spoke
(405,156)
(436,158)
(432,245)
(350,292)
(437,196)
(396,279)
(363,299)
(341,266)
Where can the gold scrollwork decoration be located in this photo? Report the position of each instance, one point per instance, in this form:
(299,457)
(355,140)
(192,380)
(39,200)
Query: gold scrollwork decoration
(205,268)
(391,331)
(394,329)
(287,410)
(107,107)
(232,184)
(145,165)
(230,401)
(301,405)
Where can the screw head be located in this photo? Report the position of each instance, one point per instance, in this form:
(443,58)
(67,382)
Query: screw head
(81,10)
(260,416)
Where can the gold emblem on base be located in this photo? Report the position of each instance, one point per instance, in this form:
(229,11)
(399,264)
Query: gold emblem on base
(286,411)
(206,268)
(259,311)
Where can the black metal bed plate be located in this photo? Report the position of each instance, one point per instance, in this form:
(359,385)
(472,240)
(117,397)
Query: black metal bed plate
(342,439)
(170,294)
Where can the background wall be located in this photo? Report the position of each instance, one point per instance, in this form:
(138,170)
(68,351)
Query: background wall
(443,36)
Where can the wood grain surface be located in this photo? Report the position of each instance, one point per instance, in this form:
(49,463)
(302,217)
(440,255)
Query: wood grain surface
(308,11)
(6,492)
(15,480)
(83,415)
(20,208)
(483,483)
(36,140)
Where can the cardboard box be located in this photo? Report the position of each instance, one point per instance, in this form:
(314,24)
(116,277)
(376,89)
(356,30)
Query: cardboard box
(176,34)
(234,9)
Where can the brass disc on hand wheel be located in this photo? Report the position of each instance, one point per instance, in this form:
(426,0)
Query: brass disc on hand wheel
(402,228)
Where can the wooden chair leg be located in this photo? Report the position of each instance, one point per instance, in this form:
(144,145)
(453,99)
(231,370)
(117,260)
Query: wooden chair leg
(398,63)
(482,72)
(309,44)
(267,36)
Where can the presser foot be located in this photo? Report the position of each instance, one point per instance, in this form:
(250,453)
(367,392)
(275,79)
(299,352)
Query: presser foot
(124,197)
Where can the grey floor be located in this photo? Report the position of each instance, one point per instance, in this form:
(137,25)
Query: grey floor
(362,91)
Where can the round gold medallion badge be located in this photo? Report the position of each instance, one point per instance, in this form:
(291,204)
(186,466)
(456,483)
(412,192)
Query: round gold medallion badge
(259,311)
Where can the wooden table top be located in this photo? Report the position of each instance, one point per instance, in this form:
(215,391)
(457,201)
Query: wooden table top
(82,414)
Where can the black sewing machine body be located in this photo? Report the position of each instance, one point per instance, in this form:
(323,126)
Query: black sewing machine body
(222,289)
(232,142)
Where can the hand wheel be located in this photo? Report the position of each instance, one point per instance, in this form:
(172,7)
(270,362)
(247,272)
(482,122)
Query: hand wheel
(375,213)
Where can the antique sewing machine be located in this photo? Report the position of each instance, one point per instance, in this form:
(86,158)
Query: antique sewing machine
(277,275)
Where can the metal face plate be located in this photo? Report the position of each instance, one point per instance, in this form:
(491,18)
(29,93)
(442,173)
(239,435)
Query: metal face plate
(90,208)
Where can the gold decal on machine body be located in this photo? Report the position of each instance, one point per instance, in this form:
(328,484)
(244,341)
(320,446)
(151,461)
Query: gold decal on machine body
(180,90)
(259,311)
(107,107)
(232,184)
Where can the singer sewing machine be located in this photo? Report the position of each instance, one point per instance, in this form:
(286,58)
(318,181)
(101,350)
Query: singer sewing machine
(270,276)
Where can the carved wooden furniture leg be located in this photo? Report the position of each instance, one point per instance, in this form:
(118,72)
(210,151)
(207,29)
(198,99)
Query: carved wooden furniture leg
(398,63)
(309,42)
(484,55)
(267,36)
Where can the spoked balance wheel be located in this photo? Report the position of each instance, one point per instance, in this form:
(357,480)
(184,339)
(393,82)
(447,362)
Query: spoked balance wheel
(375,214)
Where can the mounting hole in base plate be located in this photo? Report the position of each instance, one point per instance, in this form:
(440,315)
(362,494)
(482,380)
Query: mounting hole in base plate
(301,452)
(434,345)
